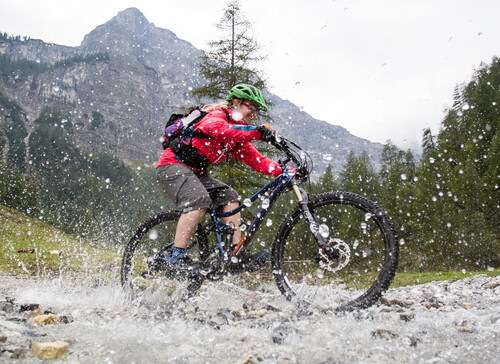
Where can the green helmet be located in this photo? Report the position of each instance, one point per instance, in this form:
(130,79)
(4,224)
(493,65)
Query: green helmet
(247,92)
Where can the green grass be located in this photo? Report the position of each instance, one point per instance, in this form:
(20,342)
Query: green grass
(414,278)
(83,258)
(29,246)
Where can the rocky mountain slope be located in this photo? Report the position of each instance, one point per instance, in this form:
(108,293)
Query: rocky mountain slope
(124,80)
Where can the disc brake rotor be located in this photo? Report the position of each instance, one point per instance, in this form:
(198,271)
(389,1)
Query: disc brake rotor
(334,265)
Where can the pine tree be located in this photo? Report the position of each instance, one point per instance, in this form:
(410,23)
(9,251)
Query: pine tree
(428,142)
(233,59)
(230,61)
(326,182)
(359,176)
(458,193)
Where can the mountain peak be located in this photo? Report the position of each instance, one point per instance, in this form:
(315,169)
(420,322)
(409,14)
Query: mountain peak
(133,20)
(127,24)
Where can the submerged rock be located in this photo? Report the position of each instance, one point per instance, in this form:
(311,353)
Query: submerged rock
(49,350)
(49,319)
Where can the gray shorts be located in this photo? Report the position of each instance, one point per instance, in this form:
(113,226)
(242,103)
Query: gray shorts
(192,191)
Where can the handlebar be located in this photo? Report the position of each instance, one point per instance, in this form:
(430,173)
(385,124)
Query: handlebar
(294,154)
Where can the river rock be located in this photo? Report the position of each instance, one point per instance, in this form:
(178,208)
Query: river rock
(384,334)
(396,301)
(19,353)
(247,359)
(7,307)
(46,319)
(406,317)
(49,350)
(280,333)
(26,307)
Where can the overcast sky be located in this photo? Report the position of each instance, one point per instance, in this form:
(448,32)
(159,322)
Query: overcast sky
(383,69)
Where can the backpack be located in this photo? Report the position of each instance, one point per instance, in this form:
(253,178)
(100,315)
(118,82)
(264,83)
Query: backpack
(178,133)
(181,125)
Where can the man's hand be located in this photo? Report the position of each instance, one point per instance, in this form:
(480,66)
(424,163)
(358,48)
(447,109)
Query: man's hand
(266,132)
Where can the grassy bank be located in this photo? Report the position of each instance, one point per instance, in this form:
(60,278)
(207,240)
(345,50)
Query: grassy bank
(31,247)
(414,278)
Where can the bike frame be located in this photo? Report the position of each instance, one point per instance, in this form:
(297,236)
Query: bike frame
(277,186)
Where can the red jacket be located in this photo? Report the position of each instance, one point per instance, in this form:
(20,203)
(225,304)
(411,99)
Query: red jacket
(233,137)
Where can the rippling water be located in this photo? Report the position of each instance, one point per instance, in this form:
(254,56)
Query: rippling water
(228,323)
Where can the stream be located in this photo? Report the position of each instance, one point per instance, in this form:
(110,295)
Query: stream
(438,322)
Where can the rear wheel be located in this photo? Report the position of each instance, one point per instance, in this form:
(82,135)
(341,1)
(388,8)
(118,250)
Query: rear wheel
(360,261)
(143,279)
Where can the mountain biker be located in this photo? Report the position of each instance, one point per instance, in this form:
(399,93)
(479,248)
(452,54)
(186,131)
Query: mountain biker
(226,131)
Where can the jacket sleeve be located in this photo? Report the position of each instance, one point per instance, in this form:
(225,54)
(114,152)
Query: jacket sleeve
(215,125)
(248,154)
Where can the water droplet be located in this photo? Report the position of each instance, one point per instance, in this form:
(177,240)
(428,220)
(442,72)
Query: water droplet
(153,234)
(247,202)
(269,222)
(403,177)
(236,115)
(265,203)
(324,230)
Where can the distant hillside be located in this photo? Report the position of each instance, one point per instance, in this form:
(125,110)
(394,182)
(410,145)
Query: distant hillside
(119,86)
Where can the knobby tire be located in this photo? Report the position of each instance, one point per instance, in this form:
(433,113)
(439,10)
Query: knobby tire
(364,230)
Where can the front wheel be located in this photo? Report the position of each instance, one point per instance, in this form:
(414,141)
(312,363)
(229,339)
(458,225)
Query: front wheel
(360,260)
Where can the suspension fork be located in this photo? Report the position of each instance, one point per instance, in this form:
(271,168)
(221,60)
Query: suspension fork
(303,200)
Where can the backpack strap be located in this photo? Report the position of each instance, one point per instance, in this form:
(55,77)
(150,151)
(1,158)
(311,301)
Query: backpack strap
(200,134)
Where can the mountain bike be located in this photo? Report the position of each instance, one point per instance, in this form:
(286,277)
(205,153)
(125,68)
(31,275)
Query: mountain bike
(335,247)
